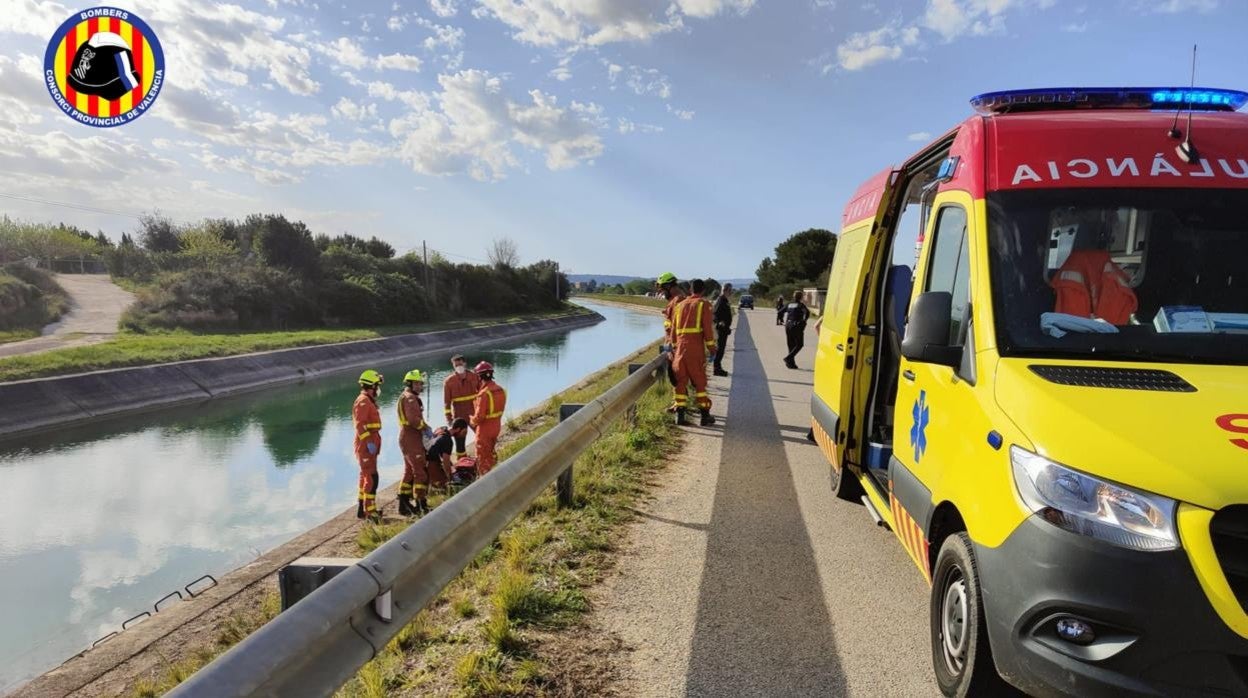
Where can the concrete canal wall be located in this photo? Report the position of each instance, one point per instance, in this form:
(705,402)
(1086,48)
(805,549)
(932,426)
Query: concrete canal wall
(46,403)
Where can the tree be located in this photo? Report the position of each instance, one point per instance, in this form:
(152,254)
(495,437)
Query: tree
(802,259)
(379,248)
(102,240)
(158,234)
(283,244)
(504,253)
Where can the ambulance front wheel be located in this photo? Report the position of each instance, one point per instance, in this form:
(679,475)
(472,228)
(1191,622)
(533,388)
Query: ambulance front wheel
(961,655)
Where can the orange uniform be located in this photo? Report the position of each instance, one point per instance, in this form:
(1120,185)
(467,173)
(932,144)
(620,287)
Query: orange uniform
(668,313)
(367,420)
(487,419)
(459,393)
(695,340)
(412,443)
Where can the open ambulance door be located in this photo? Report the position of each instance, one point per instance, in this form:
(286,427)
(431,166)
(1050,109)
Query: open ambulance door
(842,360)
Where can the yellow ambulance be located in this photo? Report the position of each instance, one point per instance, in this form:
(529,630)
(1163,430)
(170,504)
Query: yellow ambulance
(1033,369)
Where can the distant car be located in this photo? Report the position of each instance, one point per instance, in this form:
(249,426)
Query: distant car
(746,301)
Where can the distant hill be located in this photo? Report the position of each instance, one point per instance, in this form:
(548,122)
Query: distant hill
(602,279)
(611,280)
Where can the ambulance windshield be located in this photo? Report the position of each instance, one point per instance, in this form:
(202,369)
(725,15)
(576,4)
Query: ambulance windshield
(1121,274)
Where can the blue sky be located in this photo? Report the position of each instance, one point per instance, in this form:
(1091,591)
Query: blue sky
(616,136)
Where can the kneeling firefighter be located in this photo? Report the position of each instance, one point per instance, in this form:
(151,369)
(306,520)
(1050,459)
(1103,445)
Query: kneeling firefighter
(412,425)
(695,340)
(367,420)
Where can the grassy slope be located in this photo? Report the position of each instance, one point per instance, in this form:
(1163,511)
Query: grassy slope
(140,349)
(632,300)
(476,638)
(55,300)
(482,635)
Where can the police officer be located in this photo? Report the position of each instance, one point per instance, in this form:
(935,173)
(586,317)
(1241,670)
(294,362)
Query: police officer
(722,314)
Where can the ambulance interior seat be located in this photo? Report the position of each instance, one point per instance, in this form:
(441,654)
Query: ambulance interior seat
(898,283)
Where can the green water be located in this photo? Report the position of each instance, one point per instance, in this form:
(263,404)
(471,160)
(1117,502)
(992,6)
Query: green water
(99,522)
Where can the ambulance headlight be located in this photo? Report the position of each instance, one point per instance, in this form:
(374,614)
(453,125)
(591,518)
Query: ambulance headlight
(1085,505)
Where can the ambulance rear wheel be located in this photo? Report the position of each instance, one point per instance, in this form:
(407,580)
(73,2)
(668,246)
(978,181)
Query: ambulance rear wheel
(845,484)
(961,655)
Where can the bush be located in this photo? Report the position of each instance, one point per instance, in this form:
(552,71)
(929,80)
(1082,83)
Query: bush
(244,297)
(29,298)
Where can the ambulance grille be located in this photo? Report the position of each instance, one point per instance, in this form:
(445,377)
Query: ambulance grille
(1229,530)
(1125,378)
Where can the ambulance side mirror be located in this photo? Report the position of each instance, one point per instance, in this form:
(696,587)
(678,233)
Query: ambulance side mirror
(927,330)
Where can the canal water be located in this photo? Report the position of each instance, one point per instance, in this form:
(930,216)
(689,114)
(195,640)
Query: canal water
(99,522)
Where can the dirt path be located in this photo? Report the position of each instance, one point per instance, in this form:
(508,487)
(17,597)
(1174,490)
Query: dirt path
(97,307)
(745,575)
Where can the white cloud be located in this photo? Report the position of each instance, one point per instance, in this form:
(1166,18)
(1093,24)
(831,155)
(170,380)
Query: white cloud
(682,114)
(397,23)
(36,17)
(475,125)
(225,44)
(627,126)
(949,19)
(642,81)
(349,53)
(561,73)
(598,22)
(1177,6)
(1075,27)
(444,8)
(399,61)
(353,111)
(21,91)
(868,48)
(919,136)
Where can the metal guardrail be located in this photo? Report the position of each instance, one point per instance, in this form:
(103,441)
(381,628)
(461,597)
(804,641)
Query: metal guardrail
(319,643)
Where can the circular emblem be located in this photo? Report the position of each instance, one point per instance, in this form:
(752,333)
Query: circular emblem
(104,67)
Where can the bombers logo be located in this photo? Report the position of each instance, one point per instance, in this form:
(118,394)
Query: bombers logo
(104,67)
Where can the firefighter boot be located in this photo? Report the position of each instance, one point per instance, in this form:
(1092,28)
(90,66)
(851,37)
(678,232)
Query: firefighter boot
(405,506)
(706,419)
(359,508)
(680,417)
(422,506)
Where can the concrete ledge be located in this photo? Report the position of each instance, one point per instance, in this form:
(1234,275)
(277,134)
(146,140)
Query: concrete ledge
(48,403)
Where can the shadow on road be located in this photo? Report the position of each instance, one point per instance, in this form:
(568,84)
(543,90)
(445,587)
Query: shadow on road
(762,625)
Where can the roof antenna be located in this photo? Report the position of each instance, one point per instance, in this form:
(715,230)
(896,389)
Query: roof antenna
(1186,149)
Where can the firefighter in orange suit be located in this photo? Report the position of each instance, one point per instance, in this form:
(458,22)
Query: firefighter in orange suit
(412,425)
(367,420)
(674,295)
(695,340)
(487,417)
(459,393)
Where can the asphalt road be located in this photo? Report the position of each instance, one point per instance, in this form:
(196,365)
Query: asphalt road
(745,576)
(97,307)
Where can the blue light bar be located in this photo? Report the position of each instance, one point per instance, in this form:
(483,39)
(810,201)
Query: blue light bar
(1062,98)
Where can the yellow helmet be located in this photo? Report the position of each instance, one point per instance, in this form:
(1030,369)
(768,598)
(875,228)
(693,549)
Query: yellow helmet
(371,378)
(414,376)
(666,277)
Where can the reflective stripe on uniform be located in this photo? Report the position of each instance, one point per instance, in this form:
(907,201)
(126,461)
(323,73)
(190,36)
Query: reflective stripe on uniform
(466,398)
(697,328)
(492,414)
(365,435)
(405,488)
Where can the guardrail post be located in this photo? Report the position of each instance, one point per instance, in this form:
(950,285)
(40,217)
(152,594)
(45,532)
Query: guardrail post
(564,486)
(631,413)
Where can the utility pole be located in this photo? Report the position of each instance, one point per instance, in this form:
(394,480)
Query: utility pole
(424,248)
(556,281)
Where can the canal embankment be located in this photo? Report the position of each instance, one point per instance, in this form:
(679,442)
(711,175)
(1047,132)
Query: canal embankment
(562,553)
(41,404)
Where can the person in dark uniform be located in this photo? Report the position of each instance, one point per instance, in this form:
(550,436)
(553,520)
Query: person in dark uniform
(780,310)
(722,316)
(795,316)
